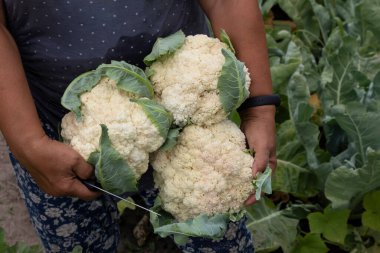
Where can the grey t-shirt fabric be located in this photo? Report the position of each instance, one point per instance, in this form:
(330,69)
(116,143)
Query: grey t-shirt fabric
(58,40)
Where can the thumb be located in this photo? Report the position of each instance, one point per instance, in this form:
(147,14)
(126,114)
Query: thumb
(81,191)
(83,170)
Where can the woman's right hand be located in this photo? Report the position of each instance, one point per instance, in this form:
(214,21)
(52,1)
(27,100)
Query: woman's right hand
(57,168)
(54,166)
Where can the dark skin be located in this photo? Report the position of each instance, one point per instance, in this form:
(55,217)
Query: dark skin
(56,167)
(242,21)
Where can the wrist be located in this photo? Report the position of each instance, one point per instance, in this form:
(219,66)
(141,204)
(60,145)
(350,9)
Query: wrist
(265,112)
(263,100)
(25,148)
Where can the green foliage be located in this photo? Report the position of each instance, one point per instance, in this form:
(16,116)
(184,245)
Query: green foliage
(128,78)
(332,224)
(293,174)
(370,19)
(165,46)
(111,170)
(311,243)
(171,139)
(201,226)
(346,187)
(226,39)
(18,247)
(270,227)
(371,216)
(263,183)
(83,83)
(157,114)
(231,83)
(122,205)
(326,69)
(77,249)
(360,126)
(235,117)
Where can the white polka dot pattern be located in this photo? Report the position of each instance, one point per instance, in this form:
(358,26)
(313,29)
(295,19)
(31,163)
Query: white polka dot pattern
(58,40)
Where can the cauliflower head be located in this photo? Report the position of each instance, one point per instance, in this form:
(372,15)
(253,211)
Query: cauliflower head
(131,132)
(114,124)
(200,82)
(206,172)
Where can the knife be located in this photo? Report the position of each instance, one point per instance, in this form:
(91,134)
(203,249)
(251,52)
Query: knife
(92,186)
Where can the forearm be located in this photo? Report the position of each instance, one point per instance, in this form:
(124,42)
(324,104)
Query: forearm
(19,121)
(242,20)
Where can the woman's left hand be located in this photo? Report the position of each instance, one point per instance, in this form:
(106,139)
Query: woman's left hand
(258,125)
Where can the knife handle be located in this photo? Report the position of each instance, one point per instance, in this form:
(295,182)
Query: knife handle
(90,183)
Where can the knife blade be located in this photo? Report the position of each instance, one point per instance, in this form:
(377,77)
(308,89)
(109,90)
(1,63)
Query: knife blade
(92,185)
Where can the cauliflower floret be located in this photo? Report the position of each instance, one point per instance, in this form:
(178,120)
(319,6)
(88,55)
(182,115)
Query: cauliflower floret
(207,172)
(131,132)
(186,81)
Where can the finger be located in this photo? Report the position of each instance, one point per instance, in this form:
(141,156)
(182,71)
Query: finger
(261,162)
(81,191)
(251,200)
(83,169)
(273,163)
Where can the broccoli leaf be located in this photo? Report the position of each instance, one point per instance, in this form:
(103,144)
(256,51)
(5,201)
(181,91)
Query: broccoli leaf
(226,39)
(83,83)
(201,226)
(111,170)
(164,46)
(128,78)
(157,114)
(231,83)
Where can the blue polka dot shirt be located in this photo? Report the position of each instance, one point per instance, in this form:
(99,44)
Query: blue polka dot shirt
(58,40)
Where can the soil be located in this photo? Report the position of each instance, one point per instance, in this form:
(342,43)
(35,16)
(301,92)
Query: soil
(14,218)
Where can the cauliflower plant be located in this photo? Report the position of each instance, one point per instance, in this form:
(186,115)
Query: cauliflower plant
(199,81)
(207,172)
(134,126)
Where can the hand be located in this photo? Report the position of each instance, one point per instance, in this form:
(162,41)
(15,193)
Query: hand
(56,168)
(258,125)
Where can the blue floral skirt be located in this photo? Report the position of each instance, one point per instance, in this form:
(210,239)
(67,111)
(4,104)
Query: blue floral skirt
(64,222)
